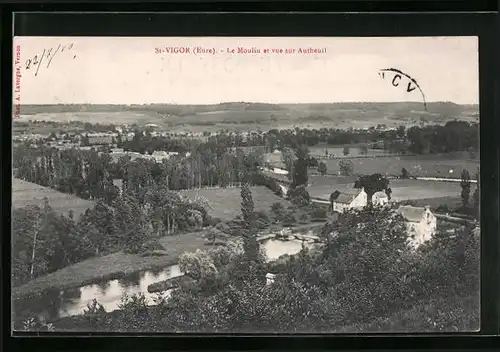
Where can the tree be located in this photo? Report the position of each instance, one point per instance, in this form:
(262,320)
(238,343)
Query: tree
(477,194)
(363,150)
(465,184)
(299,196)
(334,195)
(401,131)
(388,192)
(322,168)
(251,246)
(85,140)
(404,173)
(300,176)
(346,167)
(278,210)
(373,183)
(346,150)
(288,159)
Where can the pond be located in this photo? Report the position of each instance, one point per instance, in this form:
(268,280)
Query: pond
(58,304)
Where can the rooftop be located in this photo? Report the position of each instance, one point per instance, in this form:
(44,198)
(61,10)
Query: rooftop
(346,196)
(411,213)
(379,195)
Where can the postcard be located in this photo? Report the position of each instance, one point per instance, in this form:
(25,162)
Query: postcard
(244,184)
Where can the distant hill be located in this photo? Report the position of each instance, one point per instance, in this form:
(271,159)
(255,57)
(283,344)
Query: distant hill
(243,115)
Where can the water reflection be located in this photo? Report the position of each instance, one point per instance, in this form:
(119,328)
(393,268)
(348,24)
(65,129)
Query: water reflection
(276,248)
(57,304)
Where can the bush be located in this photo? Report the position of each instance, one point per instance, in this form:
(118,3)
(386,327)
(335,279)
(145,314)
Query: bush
(346,167)
(96,315)
(304,218)
(211,221)
(35,324)
(151,246)
(318,213)
(443,208)
(299,196)
(289,219)
(134,314)
(262,219)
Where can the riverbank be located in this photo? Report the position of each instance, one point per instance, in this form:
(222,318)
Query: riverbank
(112,266)
(119,264)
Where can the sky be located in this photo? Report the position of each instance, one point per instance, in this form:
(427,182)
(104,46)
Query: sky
(127,70)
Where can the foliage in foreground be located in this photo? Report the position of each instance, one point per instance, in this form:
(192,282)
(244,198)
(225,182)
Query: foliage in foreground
(364,273)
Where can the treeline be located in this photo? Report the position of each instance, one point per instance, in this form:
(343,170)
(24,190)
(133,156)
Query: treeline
(453,136)
(147,144)
(44,241)
(326,289)
(89,174)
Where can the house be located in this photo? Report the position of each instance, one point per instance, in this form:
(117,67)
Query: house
(160,155)
(421,223)
(270,278)
(353,198)
(276,167)
(380,198)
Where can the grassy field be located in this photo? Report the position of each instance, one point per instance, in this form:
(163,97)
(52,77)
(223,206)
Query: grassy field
(226,202)
(435,166)
(27,193)
(111,266)
(338,150)
(433,193)
(252,116)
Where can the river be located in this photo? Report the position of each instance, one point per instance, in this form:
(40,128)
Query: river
(58,304)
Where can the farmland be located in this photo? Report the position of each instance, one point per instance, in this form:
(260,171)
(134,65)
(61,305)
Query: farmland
(428,166)
(226,202)
(433,192)
(248,116)
(27,193)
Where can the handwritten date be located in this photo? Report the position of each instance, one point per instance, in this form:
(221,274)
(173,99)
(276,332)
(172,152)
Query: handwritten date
(47,56)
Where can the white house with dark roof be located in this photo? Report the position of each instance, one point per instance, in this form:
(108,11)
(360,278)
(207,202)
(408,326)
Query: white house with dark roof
(380,198)
(421,223)
(353,198)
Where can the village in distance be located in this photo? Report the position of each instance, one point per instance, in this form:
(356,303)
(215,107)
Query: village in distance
(246,217)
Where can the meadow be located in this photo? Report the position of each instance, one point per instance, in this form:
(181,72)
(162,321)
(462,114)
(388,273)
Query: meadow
(27,193)
(242,116)
(112,266)
(226,202)
(418,166)
(433,193)
(354,151)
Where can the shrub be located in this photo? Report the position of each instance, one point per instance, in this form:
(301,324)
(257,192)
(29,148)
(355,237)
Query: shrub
(318,213)
(289,219)
(96,315)
(151,246)
(304,218)
(299,196)
(134,314)
(346,167)
(35,324)
(443,208)
(211,221)
(262,219)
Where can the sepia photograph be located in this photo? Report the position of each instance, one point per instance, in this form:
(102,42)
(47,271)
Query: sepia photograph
(245,184)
